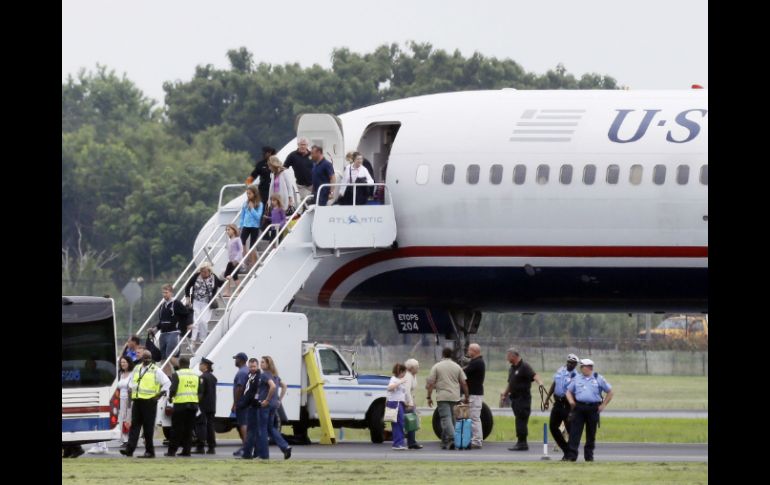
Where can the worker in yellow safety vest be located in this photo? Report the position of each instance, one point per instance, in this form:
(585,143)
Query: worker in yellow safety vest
(186,390)
(147,384)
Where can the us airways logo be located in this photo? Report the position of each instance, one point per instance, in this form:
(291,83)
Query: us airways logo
(547,125)
(353,219)
(689,120)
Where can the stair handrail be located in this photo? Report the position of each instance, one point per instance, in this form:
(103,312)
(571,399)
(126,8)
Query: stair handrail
(188,333)
(190,265)
(252,273)
(354,185)
(222,192)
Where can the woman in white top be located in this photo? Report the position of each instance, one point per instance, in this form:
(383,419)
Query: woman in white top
(124,412)
(396,396)
(355,173)
(280,182)
(412,367)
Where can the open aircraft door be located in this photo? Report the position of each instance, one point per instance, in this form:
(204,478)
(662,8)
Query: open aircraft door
(325,130)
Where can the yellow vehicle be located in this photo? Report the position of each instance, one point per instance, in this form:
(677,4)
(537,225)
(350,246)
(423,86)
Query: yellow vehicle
(680,327)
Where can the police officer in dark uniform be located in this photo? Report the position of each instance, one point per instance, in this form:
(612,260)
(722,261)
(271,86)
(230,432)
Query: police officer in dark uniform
(185,392)
(584,394)
(561,408)
(204,422)
(520,377)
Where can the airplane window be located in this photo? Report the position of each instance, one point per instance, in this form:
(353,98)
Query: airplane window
(519,174)
(565,176)
(496,174)
(422,175)
(473,174)
(448,174)
(613,174)
(589,174)
(659,174)
(542,174)
(682,174)
(704,174)
(636,175)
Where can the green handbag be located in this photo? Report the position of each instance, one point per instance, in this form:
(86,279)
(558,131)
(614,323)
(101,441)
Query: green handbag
(412,422)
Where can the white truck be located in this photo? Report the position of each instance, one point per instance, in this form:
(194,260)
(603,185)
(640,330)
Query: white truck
(354,401)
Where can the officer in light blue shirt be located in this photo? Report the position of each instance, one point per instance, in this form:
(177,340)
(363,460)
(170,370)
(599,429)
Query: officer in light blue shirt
(584,394)
(561,409)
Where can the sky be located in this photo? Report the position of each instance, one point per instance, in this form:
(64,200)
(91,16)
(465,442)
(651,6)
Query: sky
(648,44)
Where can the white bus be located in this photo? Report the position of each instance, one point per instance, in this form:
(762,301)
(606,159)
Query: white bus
(89,399)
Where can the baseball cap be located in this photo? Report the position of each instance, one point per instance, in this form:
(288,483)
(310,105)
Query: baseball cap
(587,362)
(241,355)
(572,358)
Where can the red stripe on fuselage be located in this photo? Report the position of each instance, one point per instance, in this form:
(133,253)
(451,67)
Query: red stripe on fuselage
(350,268)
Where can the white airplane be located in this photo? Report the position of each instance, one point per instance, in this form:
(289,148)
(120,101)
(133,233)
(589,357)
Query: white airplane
(527,201)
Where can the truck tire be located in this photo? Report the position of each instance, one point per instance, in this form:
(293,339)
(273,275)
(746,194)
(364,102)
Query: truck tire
(487,421)
(376,424)
(299,429)
(300,436)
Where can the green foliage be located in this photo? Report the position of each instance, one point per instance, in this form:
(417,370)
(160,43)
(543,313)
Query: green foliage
(257,105)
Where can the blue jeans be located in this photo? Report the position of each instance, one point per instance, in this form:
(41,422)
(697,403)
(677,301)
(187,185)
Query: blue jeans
(264,423)
(168,340)
(275,432)
(411,438)
(447,422)
(252,432)
(398,426)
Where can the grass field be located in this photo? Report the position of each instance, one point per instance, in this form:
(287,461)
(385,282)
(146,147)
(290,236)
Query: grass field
(631,391)
(622,430)
(89,471)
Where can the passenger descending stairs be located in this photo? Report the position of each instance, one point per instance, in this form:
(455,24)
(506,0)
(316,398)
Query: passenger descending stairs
(282,268)
(283,264)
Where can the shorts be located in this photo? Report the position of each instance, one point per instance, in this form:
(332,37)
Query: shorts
(241,417)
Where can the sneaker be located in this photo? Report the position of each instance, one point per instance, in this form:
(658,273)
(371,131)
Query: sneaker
(97,450)
(415,446)
(287,453)
(474,446)
(238,452)
(399,448)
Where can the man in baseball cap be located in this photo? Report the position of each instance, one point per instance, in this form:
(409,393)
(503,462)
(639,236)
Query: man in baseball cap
(239,384)
(561,409)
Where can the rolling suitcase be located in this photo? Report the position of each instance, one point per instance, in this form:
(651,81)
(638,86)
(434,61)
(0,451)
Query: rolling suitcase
(463,434)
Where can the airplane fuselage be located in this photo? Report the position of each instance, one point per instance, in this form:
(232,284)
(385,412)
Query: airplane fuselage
(533,201)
